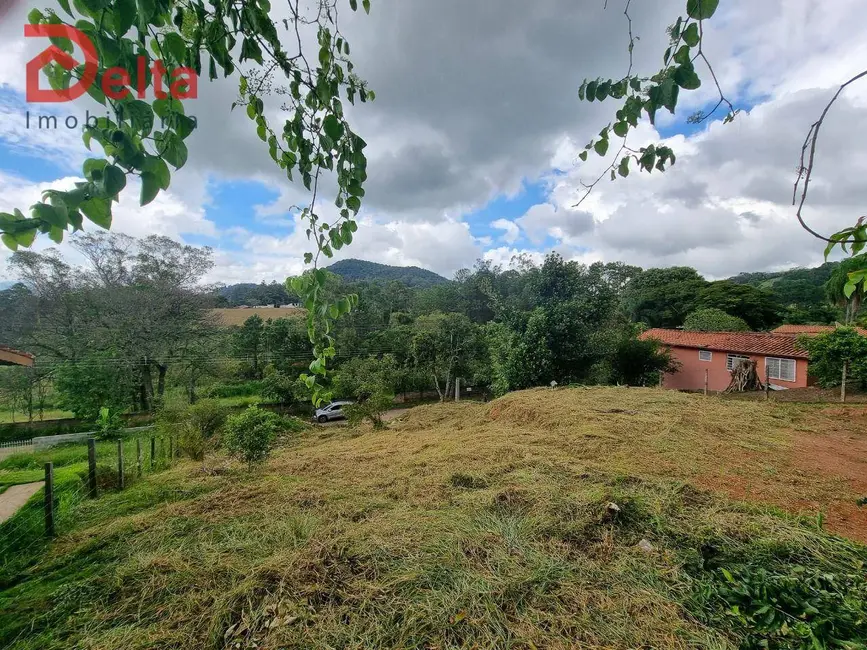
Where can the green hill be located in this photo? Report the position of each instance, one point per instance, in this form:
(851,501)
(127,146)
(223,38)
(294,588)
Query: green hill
(353,270)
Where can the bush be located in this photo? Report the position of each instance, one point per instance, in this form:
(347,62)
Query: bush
(245,389)
(195,426)
(250,434)
(108,425)
(714,320)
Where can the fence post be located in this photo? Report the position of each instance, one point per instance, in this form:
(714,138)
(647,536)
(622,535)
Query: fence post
(768,381)
(49,499)
(120,464)
(153,451)
(843,382)
(705,382)
(457,389)
(138,456)
(171,449)
(91,467)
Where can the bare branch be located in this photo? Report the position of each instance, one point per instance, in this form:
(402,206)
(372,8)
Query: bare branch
(805,167)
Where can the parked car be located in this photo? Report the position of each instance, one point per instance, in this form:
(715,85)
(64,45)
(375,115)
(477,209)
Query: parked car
(333,411)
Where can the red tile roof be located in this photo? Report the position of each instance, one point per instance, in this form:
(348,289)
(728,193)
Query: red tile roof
(811,329)
(15,357)
(779,345)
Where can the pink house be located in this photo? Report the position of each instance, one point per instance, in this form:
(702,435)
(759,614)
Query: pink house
(718,352)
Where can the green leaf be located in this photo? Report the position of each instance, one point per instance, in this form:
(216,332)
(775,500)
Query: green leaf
(48,214)
(113,180)
(26,237)
(333,127)
(701,9)
(623,167)
(159,168)
(250,50)
(145,10)
(583,155)
(140,115)
(591,90)
(366,5)
(174,44)
(353,203)
(620,129)
(150,187)
(691,35)
(602,90)
(55,234)
(64,4)
(9,241)
(93,167)
(601,147)
(35,17)
(164,108)
(98,211)
(849,289)
(183,125)
(686,78)
(172,148)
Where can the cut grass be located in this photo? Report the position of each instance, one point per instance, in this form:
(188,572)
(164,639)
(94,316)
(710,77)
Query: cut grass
(463,526)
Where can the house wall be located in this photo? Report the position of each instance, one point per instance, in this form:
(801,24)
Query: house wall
(691,375)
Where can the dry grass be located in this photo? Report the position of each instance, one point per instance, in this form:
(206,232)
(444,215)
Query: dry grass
(234,316)
(462,526)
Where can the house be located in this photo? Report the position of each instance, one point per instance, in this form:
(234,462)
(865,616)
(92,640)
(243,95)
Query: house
(718,352)
(10,357)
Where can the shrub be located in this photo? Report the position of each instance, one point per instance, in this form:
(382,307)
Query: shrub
(108,424)
(714,320)
(195,426)
(250,434)
(245,389)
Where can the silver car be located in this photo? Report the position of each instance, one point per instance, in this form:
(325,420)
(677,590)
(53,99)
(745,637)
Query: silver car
(333,411)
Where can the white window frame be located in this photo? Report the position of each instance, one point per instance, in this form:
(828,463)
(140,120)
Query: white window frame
(708,353)
(794,363)
(730,358)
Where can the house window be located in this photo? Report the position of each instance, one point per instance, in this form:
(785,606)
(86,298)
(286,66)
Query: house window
(705,355)
(732,360)
(782,369)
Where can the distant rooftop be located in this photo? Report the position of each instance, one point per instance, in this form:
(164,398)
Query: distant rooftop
(765,343)
(11,357)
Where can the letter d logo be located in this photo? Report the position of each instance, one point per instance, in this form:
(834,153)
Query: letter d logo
(54,53)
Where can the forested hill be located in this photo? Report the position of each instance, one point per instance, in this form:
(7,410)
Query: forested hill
(804,287)
(353,270)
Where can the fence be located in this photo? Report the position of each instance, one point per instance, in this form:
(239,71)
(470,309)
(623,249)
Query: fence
(16,443)
(73,475)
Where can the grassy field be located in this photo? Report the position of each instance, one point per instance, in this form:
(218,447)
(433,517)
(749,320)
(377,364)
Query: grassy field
(574,518)
(20,416)
(229,316)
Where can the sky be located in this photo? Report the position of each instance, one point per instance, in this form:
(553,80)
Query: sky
(474,139)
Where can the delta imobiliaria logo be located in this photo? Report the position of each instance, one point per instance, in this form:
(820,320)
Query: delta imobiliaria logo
(115,82)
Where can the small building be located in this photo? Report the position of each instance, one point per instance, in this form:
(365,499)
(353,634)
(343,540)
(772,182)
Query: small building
(719,352)
(10,357)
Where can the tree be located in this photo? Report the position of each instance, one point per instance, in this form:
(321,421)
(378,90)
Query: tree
(637,362)
(248,341)
(370,382)
(250,434)
(755,306)
(663,297)
(445,346)
(137,304)
(711,319)
(830,352)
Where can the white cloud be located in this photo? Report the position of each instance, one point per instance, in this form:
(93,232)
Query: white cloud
(511,230)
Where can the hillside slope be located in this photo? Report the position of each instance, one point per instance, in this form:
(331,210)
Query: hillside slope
(591,518)
(353,270)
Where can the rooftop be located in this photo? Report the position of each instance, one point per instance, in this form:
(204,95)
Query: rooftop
(766,343)
(811,329)
(10,357)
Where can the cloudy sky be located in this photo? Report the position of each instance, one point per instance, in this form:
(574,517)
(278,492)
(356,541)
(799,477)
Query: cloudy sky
(474,135)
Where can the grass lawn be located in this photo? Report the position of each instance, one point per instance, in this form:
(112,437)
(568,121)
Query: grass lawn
(21,416)
(569,518)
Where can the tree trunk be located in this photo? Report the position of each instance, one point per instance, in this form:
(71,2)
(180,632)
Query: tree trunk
(161,379)
(437,384)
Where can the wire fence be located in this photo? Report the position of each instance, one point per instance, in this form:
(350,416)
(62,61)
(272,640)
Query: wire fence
(71,475)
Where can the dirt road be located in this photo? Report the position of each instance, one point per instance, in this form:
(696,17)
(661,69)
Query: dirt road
(15,497)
